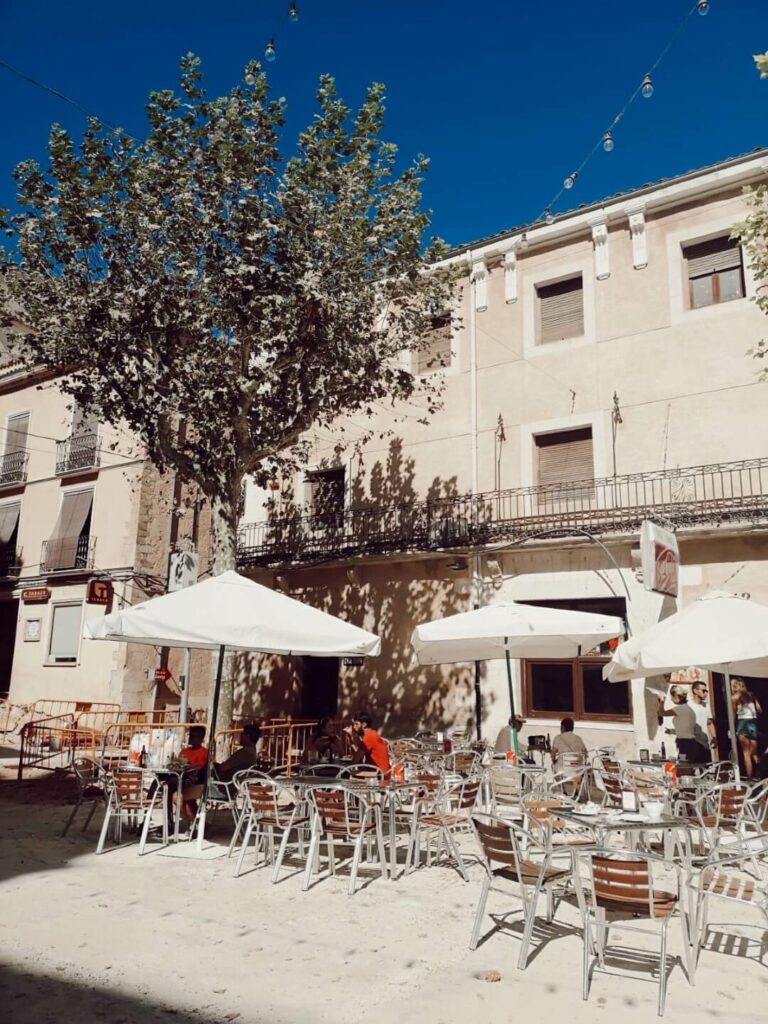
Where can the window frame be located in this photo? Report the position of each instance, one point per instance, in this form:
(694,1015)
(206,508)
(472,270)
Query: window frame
(577,678)
(49,662)
(577,275)
(714,276)
(417,353)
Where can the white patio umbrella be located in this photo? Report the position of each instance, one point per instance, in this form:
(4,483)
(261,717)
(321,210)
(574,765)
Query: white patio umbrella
(230,612)
(720,632)
(512,630)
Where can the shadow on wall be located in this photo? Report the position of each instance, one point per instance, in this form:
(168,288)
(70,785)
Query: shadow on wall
(388,598)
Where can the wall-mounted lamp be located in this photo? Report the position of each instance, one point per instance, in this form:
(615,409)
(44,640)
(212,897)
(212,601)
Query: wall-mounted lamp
(353,578)
(458,565)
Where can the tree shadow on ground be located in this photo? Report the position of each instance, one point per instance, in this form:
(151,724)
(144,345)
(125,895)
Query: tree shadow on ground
(387,595)
(32,998)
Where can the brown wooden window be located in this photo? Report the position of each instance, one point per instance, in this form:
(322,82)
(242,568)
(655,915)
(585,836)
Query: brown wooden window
(435,347)
(565,457)
(560,310)
(715,272)
(327,489)
(575,689)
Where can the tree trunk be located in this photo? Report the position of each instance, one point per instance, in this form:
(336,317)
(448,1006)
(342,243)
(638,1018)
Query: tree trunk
(224,530)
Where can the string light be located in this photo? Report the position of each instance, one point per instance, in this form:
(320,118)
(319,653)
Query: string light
(293,12)
(270,53)
(644,88)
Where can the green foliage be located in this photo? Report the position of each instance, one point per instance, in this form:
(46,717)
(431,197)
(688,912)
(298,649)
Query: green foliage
(198,278)
(753,233)
(761,62)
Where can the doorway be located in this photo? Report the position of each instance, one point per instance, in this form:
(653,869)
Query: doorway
(9,614)
(759,687)
(319,687)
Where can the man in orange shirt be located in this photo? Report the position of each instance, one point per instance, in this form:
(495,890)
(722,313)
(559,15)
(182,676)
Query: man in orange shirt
(368,744)
(196,756)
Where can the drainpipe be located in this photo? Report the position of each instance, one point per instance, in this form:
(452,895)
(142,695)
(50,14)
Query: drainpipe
(476,577)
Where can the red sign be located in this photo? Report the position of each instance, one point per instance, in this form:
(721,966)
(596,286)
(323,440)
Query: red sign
(99,592)
(36,594)
(162,675)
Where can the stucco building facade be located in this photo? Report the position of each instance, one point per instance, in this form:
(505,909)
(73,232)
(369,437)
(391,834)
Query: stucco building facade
(596,375)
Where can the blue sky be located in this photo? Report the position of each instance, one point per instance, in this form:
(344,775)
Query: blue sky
(504,96)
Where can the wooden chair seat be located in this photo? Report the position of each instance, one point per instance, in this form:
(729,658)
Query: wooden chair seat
(729,886)
(281,821)
(529,873)
(339,828)
(664,904)
(444,820)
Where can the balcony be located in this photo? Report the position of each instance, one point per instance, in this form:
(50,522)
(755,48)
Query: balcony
(67,554)
(714,495)
(10,562)
(13,469)
(77,454)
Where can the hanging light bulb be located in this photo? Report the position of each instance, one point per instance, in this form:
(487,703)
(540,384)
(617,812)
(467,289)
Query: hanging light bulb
(570,181)
(703,7)
(549,217)
(524,240)
(608,142)
(293,12)
(270,53)
(647,87)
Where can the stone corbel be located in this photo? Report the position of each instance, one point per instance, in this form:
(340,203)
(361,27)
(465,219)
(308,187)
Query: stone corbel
(639,238)
(510,276)
(479,279)
(600,242)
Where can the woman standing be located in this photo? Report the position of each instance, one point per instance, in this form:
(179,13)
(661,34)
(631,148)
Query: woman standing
(746,709)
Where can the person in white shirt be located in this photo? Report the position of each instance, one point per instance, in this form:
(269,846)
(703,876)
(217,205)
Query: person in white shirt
(567,742)
(685,722)
(704,727)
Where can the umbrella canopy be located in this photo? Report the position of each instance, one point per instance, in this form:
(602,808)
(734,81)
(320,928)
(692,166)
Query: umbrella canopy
(234,612)
(517,630)
(720,632)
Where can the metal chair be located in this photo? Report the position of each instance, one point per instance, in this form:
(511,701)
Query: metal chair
(267,815)
(127,799)
(343,815)
(621,887)
(523,861)
(451,814)
(90,790)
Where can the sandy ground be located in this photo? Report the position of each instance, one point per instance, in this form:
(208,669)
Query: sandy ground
(130,940)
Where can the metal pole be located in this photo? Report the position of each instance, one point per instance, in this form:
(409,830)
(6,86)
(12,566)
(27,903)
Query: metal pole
(512,716)
(184,686)
(731,723)
(212,734)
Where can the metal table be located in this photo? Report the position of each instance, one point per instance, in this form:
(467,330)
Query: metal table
(622,821)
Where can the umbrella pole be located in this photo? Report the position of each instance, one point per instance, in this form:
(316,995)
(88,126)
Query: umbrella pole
(478,703)
(214,715)
(731,723)
(512,716)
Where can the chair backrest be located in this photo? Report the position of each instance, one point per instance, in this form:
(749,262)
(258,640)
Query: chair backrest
(321,771)
(616,881)
(507,786)
(612,786)
(128,786)
(87,772)
(730,801)
(338,807)
(570,759)
(363,772)
(464,762)
(503,843)
(263,795)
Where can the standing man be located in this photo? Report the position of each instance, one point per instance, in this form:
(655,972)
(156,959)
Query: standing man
(684,720)
(367,744)
(704,727)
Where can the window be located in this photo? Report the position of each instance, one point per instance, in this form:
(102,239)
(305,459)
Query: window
(574,688)
(715,272)
(68,547)
(435,347)
(560,310)
(84,424)
(16,433)
(9,532)
(327,489)
(65,634)
(565,457)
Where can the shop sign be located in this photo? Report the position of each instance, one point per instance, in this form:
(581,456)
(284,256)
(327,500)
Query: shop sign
(162,675)
(35,594)
(660,559)
(352,662)
(100,592)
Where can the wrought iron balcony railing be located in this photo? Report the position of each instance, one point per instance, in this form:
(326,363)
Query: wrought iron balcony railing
(13,468)
(65,554)
(10,562)
(77,454)
(734,492)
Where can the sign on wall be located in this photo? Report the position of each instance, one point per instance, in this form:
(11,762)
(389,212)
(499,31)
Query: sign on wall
(32,629)
(182,570)
(36,594)
(100,592)
(660,559)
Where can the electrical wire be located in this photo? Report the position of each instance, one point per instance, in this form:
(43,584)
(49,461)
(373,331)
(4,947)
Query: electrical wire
(546,213)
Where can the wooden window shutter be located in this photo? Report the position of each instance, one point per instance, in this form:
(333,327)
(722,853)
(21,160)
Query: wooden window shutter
(565,457)
(16,435)
(436,346)
(561,310)
(713,256)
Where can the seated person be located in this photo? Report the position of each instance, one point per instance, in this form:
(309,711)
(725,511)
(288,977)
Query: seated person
(367,745)
(322,744)
(245,757)
(196,755)
(504,738)
(568,742)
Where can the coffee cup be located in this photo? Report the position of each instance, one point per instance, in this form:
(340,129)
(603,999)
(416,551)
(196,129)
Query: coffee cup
(654,809)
